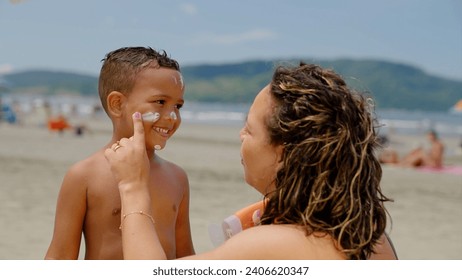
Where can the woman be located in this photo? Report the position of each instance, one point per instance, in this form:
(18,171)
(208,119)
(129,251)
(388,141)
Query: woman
(308,146)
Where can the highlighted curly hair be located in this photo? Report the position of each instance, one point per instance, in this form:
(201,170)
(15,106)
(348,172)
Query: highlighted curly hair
(329,181)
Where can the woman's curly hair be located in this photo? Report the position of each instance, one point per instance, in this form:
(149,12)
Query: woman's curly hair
(329,181)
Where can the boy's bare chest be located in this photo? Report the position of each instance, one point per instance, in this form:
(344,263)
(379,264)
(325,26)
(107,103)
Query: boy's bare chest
(103,196)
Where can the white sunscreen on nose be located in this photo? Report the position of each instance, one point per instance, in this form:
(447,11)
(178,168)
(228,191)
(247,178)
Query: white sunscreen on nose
(151,117)
(173,116)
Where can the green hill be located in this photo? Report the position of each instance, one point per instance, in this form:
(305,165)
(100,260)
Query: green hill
(392,85)
(400,86)
(51,82)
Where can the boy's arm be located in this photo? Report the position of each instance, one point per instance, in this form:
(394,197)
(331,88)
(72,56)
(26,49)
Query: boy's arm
(70,213)
(183,239)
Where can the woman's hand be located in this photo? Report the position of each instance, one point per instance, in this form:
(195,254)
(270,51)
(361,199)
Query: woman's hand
(128,159)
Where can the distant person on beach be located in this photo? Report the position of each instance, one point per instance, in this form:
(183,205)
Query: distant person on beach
(133,79)
(308,147)
(59,124)
(433,157)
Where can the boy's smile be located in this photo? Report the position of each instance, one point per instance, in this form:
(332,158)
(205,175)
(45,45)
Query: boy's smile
(162,131)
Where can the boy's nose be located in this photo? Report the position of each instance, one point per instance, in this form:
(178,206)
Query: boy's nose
(172,115)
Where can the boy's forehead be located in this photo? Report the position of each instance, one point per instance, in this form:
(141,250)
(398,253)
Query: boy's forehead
(178,79)
(167,73)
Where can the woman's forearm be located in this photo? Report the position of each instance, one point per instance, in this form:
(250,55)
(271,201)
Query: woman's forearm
(139,237)
(130,165)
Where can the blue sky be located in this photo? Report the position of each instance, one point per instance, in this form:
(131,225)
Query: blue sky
(75,35)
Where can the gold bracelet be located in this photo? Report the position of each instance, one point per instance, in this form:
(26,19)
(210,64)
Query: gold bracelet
(136,212)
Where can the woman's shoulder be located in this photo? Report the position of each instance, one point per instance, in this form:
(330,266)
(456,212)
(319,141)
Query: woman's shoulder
(277,242)
(292,242)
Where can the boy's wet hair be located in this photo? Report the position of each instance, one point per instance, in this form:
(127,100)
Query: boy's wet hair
(121,66)
(329,181)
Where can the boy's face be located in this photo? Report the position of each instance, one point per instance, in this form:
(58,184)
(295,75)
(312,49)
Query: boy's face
(156,90)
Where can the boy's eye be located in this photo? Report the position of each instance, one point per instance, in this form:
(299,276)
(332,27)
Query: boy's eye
(161,102)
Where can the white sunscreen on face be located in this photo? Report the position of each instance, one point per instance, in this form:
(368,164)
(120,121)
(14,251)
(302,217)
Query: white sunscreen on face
(151,117)
(180,82)
(173,116)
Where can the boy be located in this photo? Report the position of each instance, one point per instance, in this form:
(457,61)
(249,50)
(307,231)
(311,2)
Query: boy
(131,79)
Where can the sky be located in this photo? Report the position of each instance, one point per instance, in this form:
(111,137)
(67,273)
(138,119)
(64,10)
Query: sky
(75,35)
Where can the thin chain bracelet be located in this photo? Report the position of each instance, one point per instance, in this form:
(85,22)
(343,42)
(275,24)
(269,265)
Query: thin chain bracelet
(136,212)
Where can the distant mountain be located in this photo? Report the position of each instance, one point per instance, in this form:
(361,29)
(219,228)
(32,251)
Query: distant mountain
(238,82)
(399,86)
(392,85)
(46,82)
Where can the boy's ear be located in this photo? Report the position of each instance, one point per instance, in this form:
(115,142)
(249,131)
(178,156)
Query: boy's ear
(115,101)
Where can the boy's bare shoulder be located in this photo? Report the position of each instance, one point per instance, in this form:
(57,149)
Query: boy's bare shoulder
(88,167)
(171,168)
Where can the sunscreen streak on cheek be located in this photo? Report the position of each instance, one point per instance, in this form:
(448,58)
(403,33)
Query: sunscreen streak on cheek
(151,117)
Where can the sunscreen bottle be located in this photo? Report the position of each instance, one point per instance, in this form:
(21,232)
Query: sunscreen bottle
(242,219)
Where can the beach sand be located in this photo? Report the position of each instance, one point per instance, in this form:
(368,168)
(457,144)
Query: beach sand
(426,214)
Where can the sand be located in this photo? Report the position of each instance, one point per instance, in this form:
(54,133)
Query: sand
(426,214)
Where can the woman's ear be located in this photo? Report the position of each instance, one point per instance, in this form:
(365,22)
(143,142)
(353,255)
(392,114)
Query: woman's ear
(115,101)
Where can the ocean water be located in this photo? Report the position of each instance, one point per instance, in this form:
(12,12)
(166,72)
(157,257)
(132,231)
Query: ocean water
(419,122)
(390,121)
(215,113)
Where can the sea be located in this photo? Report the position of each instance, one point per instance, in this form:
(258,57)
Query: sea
(447,123)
